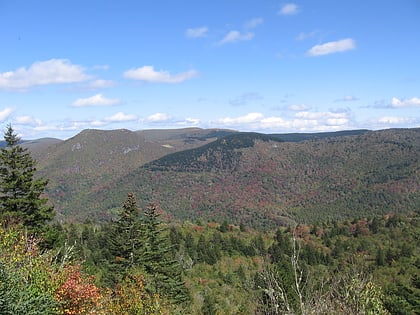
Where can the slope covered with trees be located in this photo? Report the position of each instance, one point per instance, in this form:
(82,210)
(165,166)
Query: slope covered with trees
(259,181)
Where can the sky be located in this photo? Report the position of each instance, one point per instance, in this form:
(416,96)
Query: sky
(249,65)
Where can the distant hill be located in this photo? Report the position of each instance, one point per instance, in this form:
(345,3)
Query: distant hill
(258,179)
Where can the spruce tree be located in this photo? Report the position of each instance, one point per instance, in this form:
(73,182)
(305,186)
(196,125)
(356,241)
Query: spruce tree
(138,243)
(126,239)
(158,261)
(21,198)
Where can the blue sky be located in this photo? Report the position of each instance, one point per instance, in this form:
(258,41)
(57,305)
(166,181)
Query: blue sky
(262,65)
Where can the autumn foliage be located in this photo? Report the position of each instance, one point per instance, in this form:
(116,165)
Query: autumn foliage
(78,294)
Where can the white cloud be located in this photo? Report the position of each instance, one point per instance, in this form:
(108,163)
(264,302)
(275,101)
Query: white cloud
(289,9)
(95,100)
(253,23)
(190,121)
(196,32)
(27,120)
(149,74)
(332,47)
(247,119)
(158,117)
(53,71)
(303,122)
(5,113)
(121,117)
(398,103)
(236,36)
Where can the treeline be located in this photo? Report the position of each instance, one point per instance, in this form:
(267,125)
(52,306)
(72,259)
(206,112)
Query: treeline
(362,266)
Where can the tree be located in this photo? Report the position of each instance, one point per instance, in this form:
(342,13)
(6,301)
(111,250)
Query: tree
(158,261)
(126,239)
(139,243)
(21,198)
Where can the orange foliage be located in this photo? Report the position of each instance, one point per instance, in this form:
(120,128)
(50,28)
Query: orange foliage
(78,294)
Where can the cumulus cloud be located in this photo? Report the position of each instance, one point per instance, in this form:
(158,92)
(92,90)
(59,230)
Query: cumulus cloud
(121,117)
(53,71)
(289,9)
(158,117)
(27,120)
(5,113)
(189,121)
(149,74)
(236,36)
(332,47)
(303,121)
(412,102)
(95,100)
(196,32)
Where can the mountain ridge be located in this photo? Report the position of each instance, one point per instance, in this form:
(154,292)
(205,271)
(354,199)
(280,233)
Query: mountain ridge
(214,174)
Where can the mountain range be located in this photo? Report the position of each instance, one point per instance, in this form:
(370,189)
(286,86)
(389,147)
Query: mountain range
(261,180)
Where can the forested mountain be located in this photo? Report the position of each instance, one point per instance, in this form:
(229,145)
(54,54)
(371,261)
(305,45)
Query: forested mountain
(255,179)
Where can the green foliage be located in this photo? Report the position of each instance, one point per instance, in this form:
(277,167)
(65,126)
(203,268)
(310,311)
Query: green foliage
(19,298)
(21,198)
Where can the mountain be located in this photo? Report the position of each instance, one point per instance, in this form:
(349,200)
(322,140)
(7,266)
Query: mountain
(257,179)
(93,159)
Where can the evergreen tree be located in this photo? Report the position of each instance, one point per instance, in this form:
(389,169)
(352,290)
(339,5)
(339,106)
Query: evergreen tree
(125,239)
(158,261)
(21,198)
(138,243)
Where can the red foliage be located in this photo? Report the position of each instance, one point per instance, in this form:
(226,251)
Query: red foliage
(78,294)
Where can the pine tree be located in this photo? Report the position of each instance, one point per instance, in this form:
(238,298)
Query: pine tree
(21,198)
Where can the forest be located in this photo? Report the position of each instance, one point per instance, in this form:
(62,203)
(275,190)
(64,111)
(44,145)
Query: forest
(141,263)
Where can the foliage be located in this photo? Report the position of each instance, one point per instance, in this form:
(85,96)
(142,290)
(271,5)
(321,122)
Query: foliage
(131,298)
(25,283)
(78,294)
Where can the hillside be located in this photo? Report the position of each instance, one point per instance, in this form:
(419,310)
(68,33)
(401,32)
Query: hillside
(246,178)
(93,159)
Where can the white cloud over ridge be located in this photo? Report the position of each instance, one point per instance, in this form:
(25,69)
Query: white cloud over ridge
(53,71)
(196,32)
(289,9)
(149,74)
(121,117)
(332,47)
(158,117)
(95,100)
(303,121)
